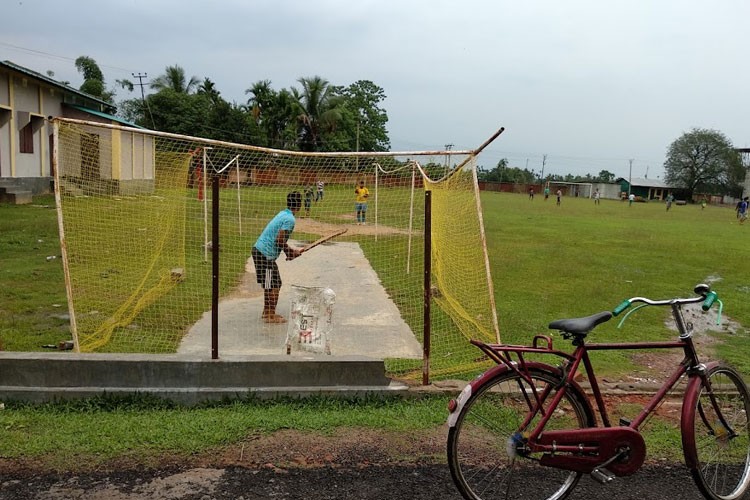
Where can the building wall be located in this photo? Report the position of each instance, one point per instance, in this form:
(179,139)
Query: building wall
(5,125)
(26,101)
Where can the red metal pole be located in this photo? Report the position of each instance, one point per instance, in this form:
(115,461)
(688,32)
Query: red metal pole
(215,266)
(427,286)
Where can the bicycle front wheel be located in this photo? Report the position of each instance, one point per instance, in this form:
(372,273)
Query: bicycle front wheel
(483,444)
(716,435)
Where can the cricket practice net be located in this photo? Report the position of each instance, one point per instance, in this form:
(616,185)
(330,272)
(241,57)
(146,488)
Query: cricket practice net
(136,225)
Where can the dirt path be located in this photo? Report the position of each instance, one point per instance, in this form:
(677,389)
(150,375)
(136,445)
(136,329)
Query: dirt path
(354,464)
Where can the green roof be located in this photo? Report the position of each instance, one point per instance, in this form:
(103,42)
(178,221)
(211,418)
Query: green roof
(105,116)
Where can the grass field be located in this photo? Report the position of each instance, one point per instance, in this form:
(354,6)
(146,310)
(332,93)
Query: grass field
(547,262)
(551,262)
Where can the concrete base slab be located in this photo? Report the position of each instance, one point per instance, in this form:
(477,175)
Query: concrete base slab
(366,321)
(42,377)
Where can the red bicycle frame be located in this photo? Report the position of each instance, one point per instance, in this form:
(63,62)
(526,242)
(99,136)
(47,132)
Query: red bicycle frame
(503,354)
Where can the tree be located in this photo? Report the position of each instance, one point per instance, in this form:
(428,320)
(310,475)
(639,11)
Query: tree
(365,116)
(93,79)
(702,160)
(174,78)
(275,114)
(605,176)
(208,88)
(319,111)
(497,174)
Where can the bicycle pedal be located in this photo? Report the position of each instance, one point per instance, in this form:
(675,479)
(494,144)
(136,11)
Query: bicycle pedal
(624,422)
(602,475)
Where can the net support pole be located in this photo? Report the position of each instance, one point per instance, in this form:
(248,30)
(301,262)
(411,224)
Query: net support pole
(215,265)
(239,196)
(63,241)
(376,201)
(411,219)
(427,286)
(205,206)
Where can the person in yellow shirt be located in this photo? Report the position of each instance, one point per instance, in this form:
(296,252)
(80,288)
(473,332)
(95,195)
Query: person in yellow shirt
(360,203)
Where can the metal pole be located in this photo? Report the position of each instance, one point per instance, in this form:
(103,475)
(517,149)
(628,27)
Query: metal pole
(215,266)
(630,178)
(427,286)
(205,206)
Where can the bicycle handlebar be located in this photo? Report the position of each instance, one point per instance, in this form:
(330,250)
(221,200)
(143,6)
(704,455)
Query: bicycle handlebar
(706,295)
(711,297)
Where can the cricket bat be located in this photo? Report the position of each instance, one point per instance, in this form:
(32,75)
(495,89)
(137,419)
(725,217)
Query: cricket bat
(322,239)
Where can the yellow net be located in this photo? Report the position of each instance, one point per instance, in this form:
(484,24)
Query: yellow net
(135,212)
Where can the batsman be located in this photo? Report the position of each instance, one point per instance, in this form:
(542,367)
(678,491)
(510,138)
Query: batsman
(268,247)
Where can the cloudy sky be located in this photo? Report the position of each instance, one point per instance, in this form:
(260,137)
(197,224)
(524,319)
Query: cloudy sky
(591,84)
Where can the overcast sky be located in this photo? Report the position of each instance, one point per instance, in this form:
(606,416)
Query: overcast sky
(590,83)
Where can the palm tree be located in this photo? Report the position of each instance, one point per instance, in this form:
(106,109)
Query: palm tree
(208,88)
(261,100)
(174,78)
(318,110)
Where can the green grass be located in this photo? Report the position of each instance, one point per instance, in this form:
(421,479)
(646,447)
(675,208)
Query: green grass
(547,263)
(552,262)
(102,429)
(33,305)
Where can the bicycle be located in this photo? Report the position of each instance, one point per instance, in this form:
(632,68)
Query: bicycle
(527,429)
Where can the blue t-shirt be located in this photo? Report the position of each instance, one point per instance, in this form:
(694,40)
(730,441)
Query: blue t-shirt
(266,244)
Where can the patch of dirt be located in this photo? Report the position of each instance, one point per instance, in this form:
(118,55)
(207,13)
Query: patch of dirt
(307,225)
(351,448)
(356,463)
(657,365)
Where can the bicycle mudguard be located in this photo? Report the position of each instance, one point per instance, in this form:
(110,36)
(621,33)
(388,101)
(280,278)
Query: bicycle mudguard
(692,391)
(456,405)
(583,450)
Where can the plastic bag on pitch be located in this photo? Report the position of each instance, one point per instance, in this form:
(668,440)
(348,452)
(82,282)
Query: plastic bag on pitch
(311,319)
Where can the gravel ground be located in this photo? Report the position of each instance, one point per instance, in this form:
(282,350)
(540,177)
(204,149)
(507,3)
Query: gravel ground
(419,482)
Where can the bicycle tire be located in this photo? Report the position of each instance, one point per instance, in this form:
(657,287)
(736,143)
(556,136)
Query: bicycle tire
(482,467)
(719,461)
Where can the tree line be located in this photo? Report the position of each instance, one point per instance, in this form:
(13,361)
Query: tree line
(316,116)
(319,116)
(700,161)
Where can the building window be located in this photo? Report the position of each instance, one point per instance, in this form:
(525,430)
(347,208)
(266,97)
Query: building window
(27,139)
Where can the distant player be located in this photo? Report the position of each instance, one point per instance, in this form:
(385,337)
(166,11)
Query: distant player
(670,199)
(742,210)
(361,194)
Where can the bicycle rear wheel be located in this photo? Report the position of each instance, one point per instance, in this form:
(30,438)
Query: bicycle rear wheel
(482,451)
(718,456)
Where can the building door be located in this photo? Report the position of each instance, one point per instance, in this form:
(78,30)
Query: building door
(90,169)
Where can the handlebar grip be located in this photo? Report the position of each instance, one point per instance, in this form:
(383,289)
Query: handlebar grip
(624,305)
(710,299)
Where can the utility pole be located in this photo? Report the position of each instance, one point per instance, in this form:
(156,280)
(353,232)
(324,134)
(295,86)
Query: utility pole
(140,83)
(447,156)
(630,178)
(544,162)
(356,158)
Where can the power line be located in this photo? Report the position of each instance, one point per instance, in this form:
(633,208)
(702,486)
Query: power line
(55,56)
